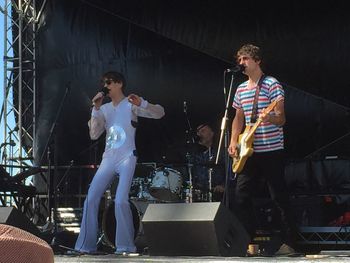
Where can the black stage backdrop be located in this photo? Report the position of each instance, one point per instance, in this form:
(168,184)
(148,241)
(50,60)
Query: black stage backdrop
(176,51)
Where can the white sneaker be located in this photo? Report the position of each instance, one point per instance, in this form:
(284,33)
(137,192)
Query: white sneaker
(126,254)
(285,250)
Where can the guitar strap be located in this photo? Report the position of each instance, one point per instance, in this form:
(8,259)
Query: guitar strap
(254,115)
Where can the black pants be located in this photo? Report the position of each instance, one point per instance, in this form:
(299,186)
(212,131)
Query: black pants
(270,166)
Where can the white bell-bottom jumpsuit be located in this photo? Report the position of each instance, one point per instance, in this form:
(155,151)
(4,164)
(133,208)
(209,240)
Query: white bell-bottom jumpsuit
(118,159)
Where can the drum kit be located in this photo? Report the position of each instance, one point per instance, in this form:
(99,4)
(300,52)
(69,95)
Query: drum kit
(166,185)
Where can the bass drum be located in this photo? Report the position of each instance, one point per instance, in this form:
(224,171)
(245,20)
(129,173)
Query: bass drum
(138,208)
(166,184)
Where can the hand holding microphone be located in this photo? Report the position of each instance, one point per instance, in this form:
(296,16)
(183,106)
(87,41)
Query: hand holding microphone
(98,99)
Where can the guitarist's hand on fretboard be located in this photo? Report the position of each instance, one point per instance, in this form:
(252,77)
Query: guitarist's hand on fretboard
(265,116)
(277,116)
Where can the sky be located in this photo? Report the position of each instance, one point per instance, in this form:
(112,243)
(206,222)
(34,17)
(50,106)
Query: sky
(10,119)
(2,17)
(1,65)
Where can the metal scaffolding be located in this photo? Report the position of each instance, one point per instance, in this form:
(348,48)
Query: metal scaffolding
(18,110)
(19,82)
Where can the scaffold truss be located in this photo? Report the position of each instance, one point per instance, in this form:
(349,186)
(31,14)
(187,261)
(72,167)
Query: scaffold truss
(19,86)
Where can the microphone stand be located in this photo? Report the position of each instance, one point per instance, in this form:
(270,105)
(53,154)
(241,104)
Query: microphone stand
(72,162)
(224,135)
(189,139)
(51,180)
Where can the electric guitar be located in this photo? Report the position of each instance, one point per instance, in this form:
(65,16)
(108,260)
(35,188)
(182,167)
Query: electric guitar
(244,147)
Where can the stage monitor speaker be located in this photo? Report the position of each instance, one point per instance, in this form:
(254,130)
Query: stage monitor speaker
(12,216)
(193,229)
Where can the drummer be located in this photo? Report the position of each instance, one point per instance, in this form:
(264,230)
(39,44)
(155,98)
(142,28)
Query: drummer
(204,160)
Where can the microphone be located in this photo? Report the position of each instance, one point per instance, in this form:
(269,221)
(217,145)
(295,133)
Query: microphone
(104,91)
(236,69)
(185,107)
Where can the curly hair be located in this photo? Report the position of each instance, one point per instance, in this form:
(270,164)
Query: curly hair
(249,49)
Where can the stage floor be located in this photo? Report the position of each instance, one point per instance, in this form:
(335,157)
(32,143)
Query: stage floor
(324,256)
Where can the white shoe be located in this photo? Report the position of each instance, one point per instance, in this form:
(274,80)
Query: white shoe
(285,250)
(126,254)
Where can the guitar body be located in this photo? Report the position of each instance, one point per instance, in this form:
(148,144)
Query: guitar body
(245,142)
(245,150)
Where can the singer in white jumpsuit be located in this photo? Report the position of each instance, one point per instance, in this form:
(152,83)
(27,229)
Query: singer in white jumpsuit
(118,119)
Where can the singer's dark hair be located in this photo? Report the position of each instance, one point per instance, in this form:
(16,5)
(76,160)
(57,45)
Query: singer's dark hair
(249,49)
(116,77)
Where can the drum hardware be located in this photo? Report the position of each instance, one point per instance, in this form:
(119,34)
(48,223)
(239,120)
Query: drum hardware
(198,195)
(210,173)
(189,193)
(141,182)
(208,165)
(190,140)
(144,193)
(108,197)
(140,189)
(210,194)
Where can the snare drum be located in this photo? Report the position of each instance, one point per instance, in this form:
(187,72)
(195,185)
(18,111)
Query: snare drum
(166,184)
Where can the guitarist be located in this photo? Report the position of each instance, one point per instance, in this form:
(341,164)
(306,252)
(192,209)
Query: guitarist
(250,100)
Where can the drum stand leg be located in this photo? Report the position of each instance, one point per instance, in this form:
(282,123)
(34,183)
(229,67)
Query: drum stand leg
(210,173)
(101,239)
(189,193)
(140,193)
(210,194)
